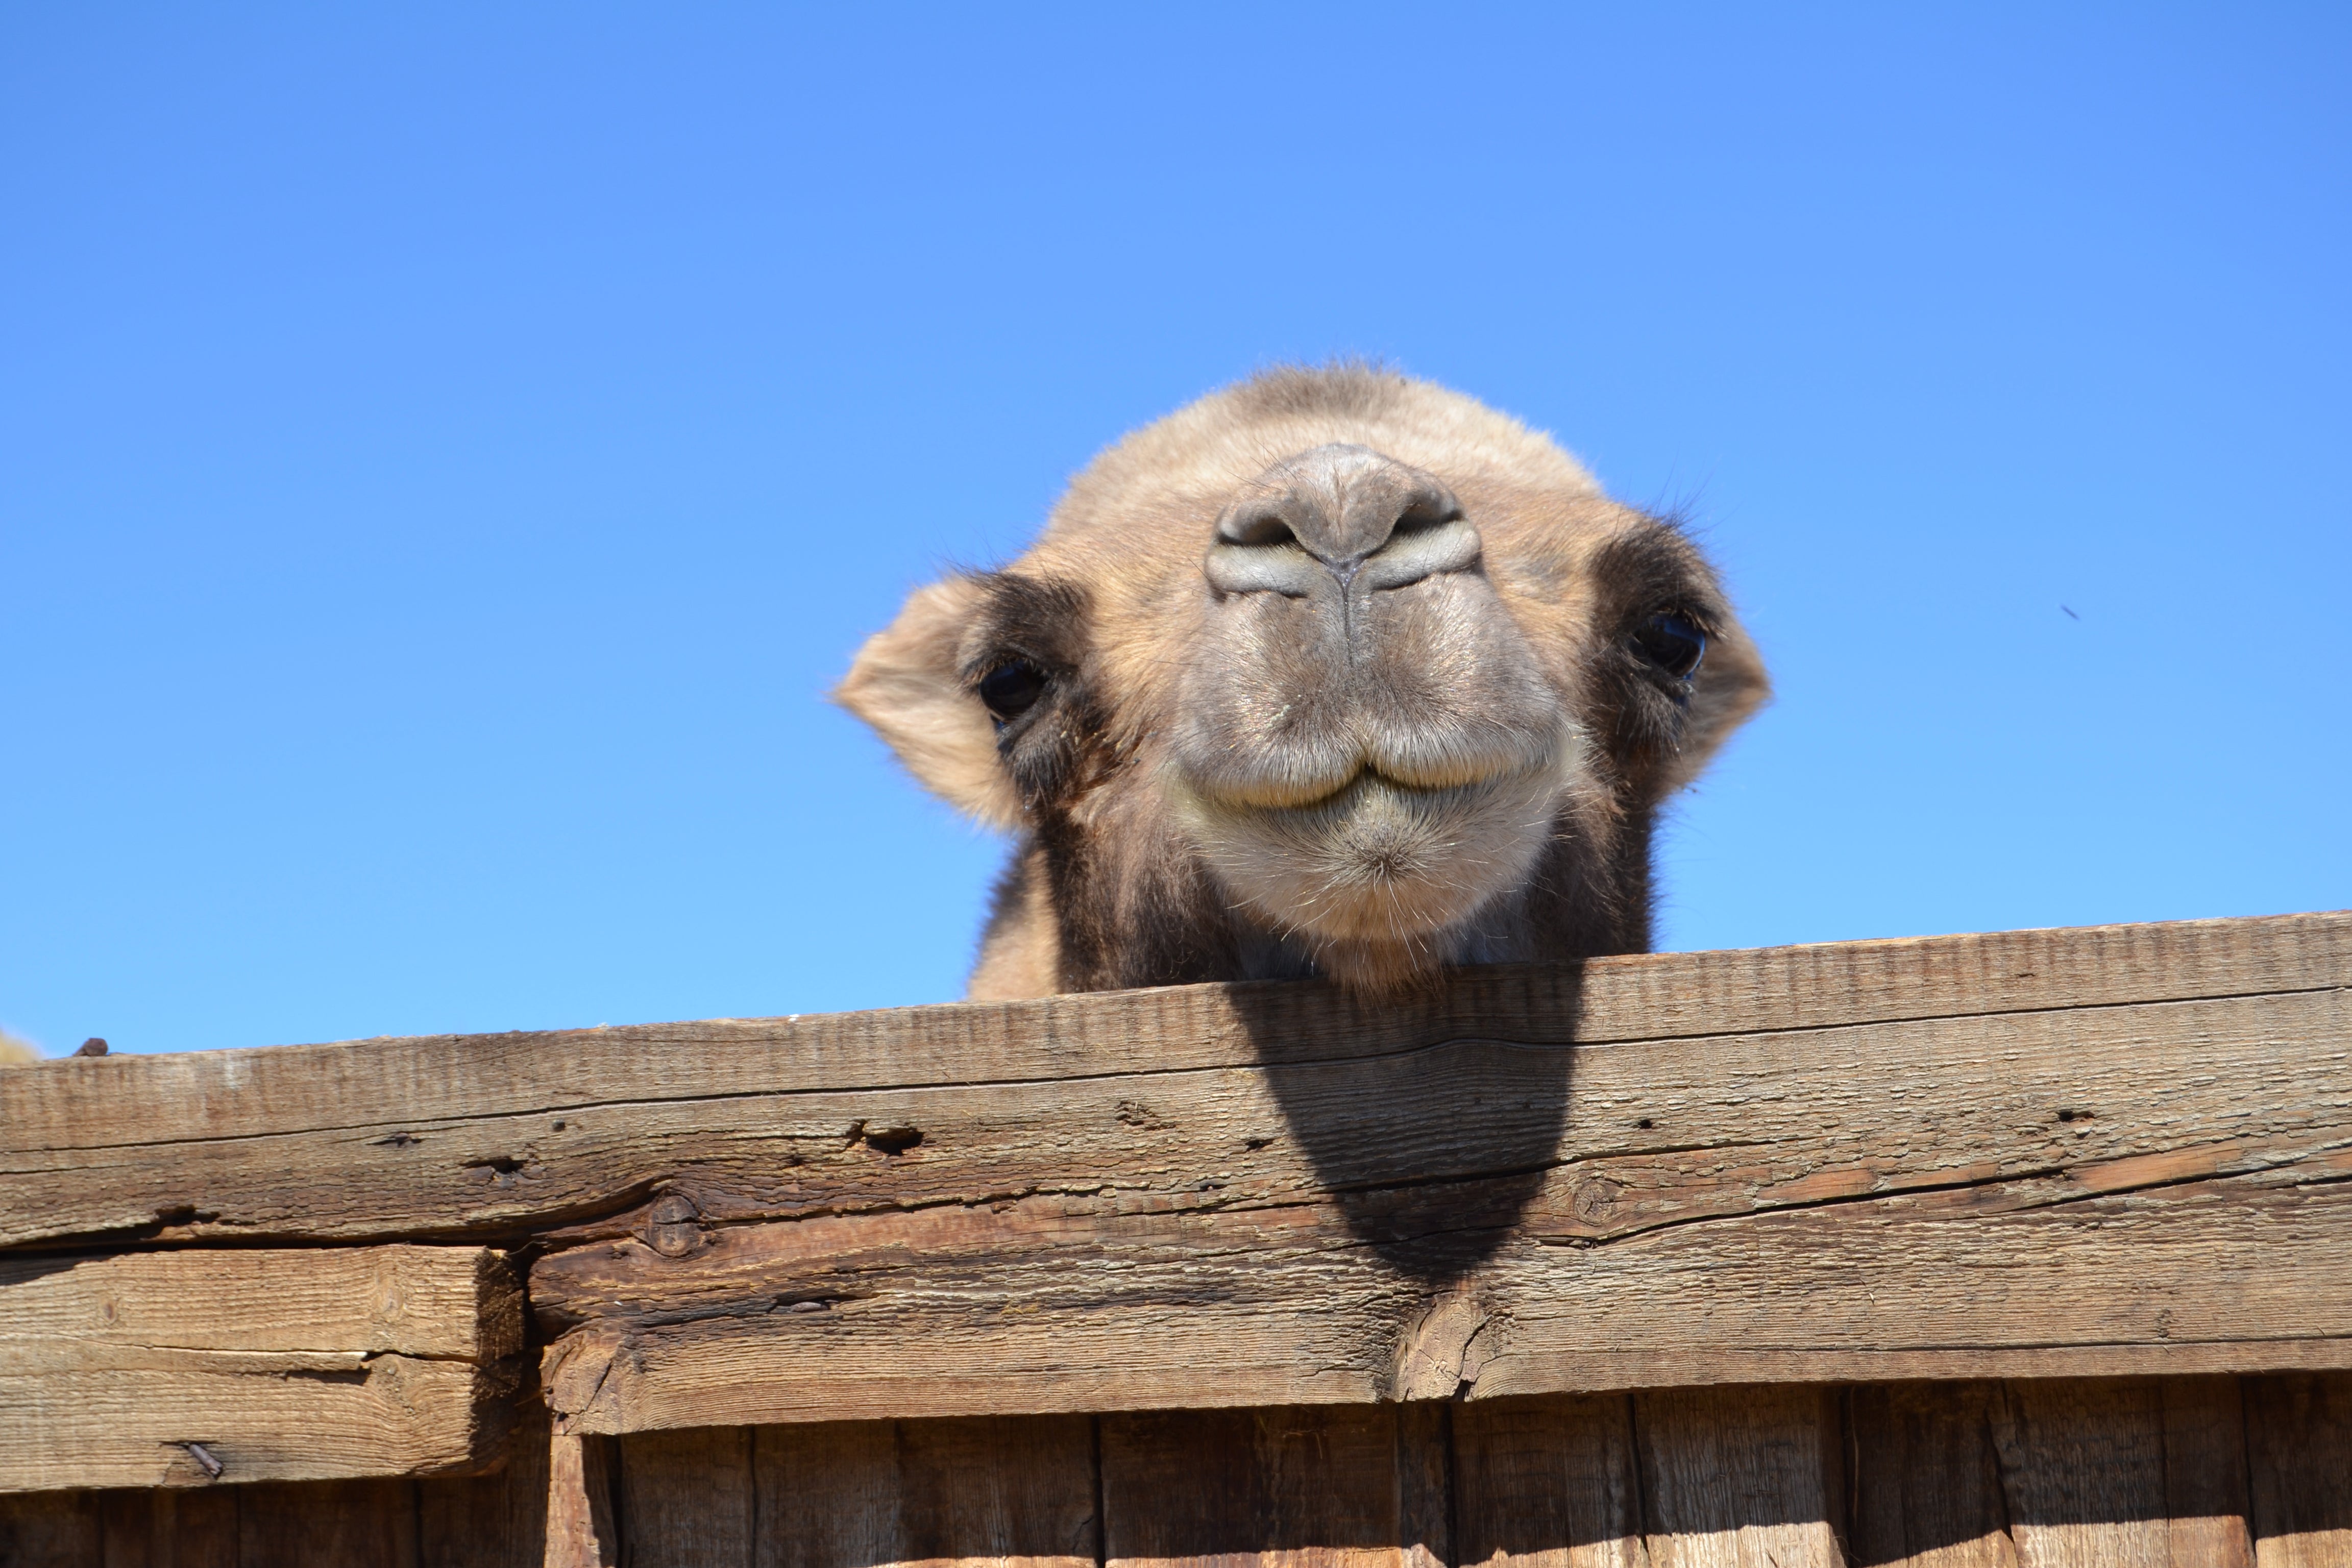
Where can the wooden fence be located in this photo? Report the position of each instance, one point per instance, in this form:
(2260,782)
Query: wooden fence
(2024,1249)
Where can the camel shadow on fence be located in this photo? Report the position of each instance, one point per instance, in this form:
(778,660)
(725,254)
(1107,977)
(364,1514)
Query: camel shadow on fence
(1433,1120)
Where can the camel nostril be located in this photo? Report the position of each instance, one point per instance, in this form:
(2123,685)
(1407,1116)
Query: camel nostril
(1423,544)
(1421,519)
(1262,530)
(1257,549)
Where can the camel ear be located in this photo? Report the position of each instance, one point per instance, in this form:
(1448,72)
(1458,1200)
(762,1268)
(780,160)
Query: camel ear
(1730,685)
(905,684)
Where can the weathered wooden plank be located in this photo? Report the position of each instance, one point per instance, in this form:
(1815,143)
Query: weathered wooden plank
(351,1523)
(1302,1488)
(2299,1452)
(497,1135)
(987,1491)
(686,1499)
(259,1415)
(1925,1487)
(1740,1478)
(2082,1468)
(50,1530)
(277,1365)
(2027,1132)
(495,1521)
(2205,1481)
(1547,1483)
(581,1529)
(1040,1308)
(459,1302)
(168,1529)
(467,1521)
(2018,1280)
(2086,1473)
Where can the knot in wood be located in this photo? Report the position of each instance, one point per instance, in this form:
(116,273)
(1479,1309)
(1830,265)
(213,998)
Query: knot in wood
(673,1225)
(1439,1355)
(1596,1200)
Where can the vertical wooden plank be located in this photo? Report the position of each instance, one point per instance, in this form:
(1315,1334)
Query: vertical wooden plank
(686,1499)
(2082,1466)
(169,1527)
(578,1523)
(1547,1483)
(984,1491)
(828,1496)
(498,1520)
(1740,1478)
(2205,1500)
(528,1486)
(2299,1448)
(49,1529)
(1329,1486)
(353,1524)
(1424,1472)
(464,1522)
(1926,1487)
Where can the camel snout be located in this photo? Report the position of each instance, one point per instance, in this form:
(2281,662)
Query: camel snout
(1339,516)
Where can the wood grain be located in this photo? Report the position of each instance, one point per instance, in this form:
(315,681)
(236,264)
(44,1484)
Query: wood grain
(1317,1281)
(165,1528)
(1926,1486)
(494,1521)
(991,1491)
(2206,1506)
(1278,1489)
(1740,1478)
(2129,1188)
(1547,1483)
(581,1528)
(352,1524)
(1302,1488)
(496,1136)
(2299,1455)
(2104,1472)
(687,1499)
(2091,1482)
(50,1530)
(281,1364)
(450,1302)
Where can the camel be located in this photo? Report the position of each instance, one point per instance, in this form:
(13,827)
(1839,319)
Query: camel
(1333,672)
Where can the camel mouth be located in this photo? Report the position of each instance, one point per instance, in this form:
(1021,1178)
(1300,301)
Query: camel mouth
(1407,766)
(1313,797)
(1380,858)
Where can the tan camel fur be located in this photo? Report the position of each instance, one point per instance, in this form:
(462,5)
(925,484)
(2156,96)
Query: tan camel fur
(1331,672)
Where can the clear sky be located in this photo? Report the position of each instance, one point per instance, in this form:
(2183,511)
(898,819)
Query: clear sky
(447,453)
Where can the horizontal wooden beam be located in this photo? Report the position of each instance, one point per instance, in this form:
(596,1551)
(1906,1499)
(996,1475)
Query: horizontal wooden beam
(503,1137)
(2158,1187)
(188,1368)
(2039,1153)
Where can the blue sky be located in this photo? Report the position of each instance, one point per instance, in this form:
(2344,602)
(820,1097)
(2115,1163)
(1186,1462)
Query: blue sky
(447,454)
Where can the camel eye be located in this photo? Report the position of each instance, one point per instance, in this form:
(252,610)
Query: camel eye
(1012,689)
(1672,644)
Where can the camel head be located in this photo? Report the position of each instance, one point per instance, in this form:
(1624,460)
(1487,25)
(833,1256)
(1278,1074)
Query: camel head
(1331,672)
